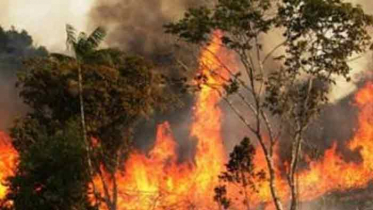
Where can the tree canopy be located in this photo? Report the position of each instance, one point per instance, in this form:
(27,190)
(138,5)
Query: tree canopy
(117,91)
(51,174)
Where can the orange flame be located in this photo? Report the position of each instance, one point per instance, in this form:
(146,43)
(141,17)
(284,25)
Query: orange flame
(157,180)
(8,156)
(333,173)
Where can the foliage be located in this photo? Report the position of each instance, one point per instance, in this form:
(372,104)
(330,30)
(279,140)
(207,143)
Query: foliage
(116,95)
(52,173)
(16,46)
(117,91)
(241,173)
(83,45)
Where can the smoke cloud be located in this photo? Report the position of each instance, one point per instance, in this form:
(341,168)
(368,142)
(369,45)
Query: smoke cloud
(15,46)
(137,25)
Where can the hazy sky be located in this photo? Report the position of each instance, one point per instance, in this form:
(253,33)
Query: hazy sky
(45,19)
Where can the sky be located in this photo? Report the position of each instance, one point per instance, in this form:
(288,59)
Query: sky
(45,20)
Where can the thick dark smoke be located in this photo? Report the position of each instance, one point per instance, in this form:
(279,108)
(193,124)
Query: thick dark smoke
(15,46)
(137,25)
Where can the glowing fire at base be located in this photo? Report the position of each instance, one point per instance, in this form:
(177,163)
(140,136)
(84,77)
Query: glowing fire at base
(8,156)
(158,181)
(332,172)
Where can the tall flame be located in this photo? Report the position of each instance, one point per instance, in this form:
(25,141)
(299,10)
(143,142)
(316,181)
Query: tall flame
(206,128)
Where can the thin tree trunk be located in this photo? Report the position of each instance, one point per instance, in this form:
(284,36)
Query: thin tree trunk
(297,144)
(115,191)
(82,120)
(272,183)
(296,150)
(82,115)
(271,170)
(244,185)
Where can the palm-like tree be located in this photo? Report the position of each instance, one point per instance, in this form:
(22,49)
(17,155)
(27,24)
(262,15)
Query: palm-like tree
(83,46)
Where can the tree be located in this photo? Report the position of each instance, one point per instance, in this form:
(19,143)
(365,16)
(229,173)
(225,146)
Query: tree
(117,91)
(240,172)
(83,46)
(289,83)
(51,174)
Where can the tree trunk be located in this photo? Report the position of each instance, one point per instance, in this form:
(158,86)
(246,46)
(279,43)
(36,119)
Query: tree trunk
(82,115)
(296,148)
(272,183)
(271,169)
(84,131)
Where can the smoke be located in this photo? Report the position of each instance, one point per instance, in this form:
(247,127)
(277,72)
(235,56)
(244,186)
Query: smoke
(15,46)
(45,20)
(136,26)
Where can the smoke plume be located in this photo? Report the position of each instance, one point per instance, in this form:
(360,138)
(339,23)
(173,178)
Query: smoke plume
(15,46)
(137,25)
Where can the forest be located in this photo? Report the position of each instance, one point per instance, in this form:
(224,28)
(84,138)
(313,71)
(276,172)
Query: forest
(227,105)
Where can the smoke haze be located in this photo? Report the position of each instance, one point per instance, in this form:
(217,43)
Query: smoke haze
(14,47)
(136,25)
(44,19)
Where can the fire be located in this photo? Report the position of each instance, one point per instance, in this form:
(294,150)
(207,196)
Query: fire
(333,173)
(8,156)
(158,180)
(206,128)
